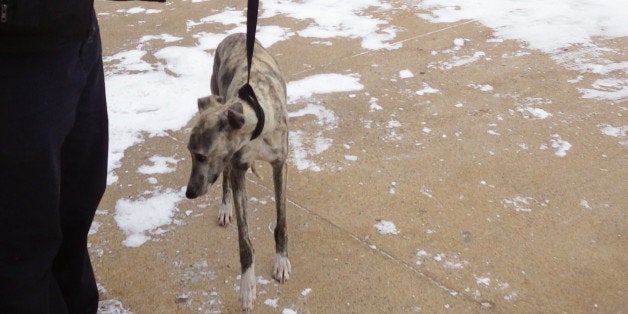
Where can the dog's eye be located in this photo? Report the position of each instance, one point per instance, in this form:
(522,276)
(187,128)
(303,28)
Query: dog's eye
(200,158)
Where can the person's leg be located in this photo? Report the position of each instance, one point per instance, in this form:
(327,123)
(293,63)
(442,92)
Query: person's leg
(39,95)
(36,94)
(83,181)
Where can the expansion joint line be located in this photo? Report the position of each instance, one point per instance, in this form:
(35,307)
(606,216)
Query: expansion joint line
(334,61)
(366,244)
(382,252)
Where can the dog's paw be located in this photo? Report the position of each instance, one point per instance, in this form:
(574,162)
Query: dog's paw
(281,270)
(247,289)
(225,215)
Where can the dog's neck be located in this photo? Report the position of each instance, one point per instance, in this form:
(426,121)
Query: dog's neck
(247,94)
(254,126)
(261,120)
(253,122)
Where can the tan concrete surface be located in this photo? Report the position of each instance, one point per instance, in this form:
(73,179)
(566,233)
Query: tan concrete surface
(461,248)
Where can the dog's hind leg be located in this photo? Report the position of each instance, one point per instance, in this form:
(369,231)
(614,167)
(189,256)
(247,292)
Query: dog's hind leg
(225,213)
(281,270)
(247,258)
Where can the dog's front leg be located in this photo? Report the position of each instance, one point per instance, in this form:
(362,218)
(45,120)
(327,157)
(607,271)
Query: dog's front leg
(281,270)
(247,258)
(225,213)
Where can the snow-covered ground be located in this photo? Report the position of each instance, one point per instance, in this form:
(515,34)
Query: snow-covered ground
(148,99)
(140,93)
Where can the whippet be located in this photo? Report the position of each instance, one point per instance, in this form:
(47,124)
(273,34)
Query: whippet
(230,135)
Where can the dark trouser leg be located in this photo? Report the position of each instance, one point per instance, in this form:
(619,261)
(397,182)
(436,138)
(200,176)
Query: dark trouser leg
(53,141)
(83,180)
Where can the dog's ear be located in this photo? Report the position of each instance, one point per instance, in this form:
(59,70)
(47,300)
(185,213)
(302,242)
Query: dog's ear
(208,102)
(235,116)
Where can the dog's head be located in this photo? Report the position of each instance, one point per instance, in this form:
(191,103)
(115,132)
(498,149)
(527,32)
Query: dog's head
(212,142)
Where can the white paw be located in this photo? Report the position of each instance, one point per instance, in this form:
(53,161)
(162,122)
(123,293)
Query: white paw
(225,215)
(247,288)
(281,270)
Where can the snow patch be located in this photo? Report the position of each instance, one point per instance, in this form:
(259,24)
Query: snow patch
(427,89)
(322,84)
(140,219)
(564,28)
(404,74)
(160,164)
(386,227)
(522,204)
(332,19)
(112,306)
(272,302)
(618,132)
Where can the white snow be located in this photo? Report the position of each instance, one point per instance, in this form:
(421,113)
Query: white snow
(538,113)
(332,19)
(304,147)
(618,132)
(484,281)
(262,281)
(544,25)
(427,89)
(566,29)
(167,38)
(151,93)
(93,229)
(322,84)
(584,203)
(459,42)
(141,218)
(135,10)
(484,88)
(152,102)
(405,74)
(386,227)
(141,92)
(519,203)
(560,145)
(112,306)
(374,106)
(272,302)
(324,117)
(609,88)
(160,164)
(614,131)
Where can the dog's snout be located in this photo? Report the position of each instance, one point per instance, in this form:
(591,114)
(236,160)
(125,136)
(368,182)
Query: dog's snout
(191,193)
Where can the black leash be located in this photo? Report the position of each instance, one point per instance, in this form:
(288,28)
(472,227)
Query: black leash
(246,92)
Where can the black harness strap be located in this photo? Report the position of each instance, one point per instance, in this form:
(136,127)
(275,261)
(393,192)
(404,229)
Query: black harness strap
(246,92)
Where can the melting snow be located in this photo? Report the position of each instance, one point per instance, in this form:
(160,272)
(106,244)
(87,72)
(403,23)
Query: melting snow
(321,84)
(139,219)
(386,227)
(161,164)
(405,74)
(427,90)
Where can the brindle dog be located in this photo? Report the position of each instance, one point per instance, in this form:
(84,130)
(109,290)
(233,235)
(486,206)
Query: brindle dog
(221,142)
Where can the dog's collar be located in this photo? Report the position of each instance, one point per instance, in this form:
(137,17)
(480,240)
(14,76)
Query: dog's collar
(247,94)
